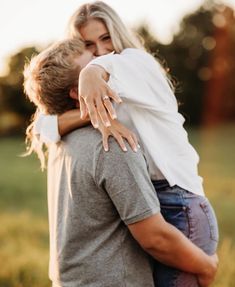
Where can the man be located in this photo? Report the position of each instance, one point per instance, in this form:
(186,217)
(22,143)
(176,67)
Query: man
(103,211)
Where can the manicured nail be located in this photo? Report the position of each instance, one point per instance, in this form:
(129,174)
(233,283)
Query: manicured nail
(138,146)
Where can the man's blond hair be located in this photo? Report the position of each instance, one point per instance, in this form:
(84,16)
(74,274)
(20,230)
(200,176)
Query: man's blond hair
(48,79)
(50,75)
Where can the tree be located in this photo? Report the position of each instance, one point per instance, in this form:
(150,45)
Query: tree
(189,59)
(15,108)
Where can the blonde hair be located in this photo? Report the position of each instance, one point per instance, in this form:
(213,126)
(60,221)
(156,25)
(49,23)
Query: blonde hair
(48,79)
(120,35)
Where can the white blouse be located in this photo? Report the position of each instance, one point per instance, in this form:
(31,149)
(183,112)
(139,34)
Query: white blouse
(150,109)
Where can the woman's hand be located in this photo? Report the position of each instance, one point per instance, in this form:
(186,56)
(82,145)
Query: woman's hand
(95,96)
(119,132)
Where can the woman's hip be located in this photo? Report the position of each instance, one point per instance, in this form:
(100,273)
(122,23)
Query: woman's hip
(190,213)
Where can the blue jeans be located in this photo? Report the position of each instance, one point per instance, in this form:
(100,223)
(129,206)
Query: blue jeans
(194,216)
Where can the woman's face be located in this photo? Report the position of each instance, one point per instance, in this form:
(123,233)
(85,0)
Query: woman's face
(96,37)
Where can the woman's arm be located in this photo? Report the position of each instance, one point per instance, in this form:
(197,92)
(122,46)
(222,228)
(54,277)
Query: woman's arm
(52,127)
(95,95)
(70,121)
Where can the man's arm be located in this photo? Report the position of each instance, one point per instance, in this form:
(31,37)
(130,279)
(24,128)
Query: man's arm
(124,176)
(168,245)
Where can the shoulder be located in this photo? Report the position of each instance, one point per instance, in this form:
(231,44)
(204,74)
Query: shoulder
(139,53)
(81,143)
(122,160)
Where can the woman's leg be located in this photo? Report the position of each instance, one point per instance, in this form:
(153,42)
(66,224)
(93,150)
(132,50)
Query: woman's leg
(192,215)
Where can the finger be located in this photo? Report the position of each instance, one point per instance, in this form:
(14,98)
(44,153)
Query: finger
(102,112)
(135,140)
(132,143)
(105,142)
(83,109)
(109,107)
(120,141)
(92,113)
(113,95)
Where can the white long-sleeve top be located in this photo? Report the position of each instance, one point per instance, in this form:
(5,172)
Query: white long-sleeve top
(150,109)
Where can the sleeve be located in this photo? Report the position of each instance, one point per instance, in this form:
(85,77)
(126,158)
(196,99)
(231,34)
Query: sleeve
(139,79)
(124,176)
(46,126)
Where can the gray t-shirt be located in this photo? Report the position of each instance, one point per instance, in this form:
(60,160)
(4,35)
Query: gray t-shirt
(92,196)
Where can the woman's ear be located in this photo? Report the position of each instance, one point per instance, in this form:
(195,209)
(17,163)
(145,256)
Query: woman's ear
(73,93)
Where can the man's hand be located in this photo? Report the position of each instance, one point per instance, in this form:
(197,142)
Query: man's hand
(95,95)
(206,278)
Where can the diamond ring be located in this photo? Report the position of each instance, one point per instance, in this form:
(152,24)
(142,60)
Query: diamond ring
(105,97)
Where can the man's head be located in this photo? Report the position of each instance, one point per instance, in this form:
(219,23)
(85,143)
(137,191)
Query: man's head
(51,77)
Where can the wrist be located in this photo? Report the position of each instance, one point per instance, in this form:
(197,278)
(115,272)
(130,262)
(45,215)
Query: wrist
(92,71)
(210,267)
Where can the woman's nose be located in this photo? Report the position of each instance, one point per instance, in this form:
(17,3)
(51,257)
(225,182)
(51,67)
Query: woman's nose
(100,50)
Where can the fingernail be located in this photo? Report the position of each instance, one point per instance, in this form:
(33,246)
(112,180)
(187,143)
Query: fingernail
(107,124)
(138,146)
(125,149)
(106,149)
(114,116)
(135,149)
(96,126)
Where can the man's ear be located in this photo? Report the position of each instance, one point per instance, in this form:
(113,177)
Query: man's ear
(73,93)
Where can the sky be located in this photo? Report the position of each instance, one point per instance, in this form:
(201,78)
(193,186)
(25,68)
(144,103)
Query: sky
(38,22)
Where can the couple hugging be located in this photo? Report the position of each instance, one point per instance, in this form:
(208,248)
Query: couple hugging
(129,210)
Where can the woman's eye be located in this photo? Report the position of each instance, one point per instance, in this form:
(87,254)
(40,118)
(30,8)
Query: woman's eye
(106,38)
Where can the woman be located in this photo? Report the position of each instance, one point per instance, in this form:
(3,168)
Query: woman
(150,109)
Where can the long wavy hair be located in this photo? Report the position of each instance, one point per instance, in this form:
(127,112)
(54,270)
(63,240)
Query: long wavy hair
(121,36)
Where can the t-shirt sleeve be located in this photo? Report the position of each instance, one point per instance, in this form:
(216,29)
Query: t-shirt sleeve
(124,176)
(46,126)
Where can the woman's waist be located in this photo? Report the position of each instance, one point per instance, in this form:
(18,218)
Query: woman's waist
(174,195)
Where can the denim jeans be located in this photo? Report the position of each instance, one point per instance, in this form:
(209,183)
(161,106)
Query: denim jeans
(194,216)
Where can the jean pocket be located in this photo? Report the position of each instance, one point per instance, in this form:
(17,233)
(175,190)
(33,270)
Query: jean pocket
(212,221)
(177,216)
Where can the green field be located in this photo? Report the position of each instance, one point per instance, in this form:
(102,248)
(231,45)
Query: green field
(23,208)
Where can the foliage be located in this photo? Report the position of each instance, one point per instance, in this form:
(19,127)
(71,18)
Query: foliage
(12,98)
(189,59)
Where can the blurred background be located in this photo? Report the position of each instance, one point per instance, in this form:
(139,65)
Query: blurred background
(194,40)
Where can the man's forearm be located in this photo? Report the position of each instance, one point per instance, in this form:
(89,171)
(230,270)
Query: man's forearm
(169,246)
(173,248)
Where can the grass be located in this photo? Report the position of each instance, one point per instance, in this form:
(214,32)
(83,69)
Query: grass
(23,208)
(23,217)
